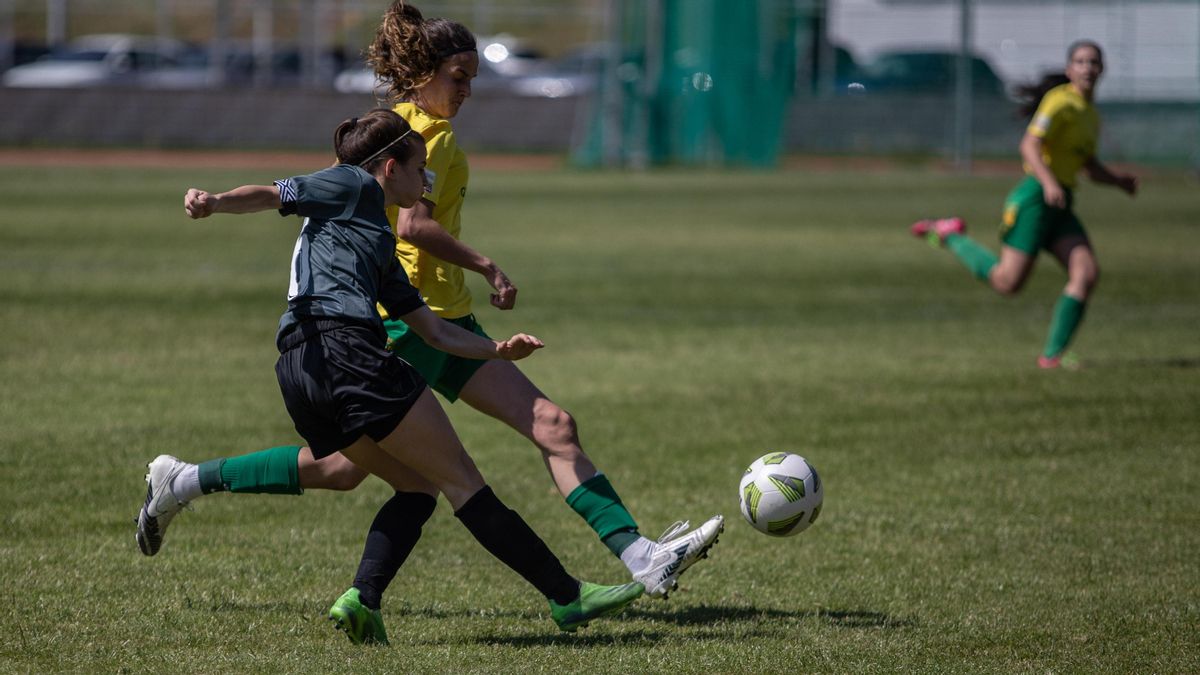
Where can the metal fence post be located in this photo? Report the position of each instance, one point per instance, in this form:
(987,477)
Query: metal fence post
(963,90)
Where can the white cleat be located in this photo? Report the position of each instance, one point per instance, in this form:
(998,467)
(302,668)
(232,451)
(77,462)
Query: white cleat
(161,505)
(675,552)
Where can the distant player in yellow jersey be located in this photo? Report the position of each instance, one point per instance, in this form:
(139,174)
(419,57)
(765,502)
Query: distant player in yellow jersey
(1059,141)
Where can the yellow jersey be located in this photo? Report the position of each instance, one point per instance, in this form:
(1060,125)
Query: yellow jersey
(1069,127)
(440,283)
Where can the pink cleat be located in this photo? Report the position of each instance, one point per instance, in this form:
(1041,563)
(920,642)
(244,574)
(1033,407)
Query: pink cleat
(1066,361)
(937,230)
(1049,362)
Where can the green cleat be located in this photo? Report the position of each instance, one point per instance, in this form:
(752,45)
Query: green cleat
(361,624)
(594,601)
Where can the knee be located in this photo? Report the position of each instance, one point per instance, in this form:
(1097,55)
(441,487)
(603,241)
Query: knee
(554,428)
(1083,281)
(1006,285)
(342,474)
(1092,278)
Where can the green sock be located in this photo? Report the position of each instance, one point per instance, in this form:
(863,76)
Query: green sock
(597,502)
(976,258)
(1068,312)
(273,471)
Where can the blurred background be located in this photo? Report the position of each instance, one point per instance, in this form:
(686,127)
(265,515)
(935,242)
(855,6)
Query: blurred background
(632,83)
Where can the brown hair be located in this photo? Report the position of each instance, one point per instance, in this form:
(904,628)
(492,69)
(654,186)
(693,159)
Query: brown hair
(1031,95)
(373,138)
(408,48)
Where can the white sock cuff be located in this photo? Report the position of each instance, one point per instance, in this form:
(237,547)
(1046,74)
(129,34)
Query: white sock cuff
(186,486)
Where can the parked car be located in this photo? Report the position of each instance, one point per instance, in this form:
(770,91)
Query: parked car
(846,70)
(27,52)
(284,68)
(574,74)
(98,60)
(927,72)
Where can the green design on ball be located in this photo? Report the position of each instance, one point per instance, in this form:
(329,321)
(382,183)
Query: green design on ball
(790,487)
(786,525)
(751,495)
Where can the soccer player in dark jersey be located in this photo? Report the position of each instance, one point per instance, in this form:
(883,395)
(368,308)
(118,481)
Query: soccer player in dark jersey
(347,394)
(429,64)
(1060,141)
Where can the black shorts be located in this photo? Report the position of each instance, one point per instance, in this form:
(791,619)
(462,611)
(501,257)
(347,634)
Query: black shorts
(339,384)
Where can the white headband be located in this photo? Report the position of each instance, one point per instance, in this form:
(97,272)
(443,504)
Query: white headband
(384,148)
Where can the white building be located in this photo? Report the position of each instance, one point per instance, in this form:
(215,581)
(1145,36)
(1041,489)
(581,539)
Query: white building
(1152,47)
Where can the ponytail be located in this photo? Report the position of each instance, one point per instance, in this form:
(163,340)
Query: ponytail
(408,48)
(1031,95)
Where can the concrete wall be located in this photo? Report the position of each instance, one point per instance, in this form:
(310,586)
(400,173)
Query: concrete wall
(253,118)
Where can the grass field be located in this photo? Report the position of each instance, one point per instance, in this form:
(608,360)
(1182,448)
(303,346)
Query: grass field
(980,515)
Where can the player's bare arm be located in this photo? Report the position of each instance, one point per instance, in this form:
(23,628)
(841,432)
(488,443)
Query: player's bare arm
(244,199)
(1031,152)
(448,337)
(1099,173)
(417,226)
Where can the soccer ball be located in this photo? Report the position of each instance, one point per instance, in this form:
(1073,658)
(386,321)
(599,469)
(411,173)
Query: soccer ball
(781,494)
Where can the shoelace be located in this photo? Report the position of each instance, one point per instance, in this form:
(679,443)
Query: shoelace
(679,527)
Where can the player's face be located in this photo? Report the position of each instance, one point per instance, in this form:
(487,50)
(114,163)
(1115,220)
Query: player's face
(1084,69)
(407,181)
(450,87)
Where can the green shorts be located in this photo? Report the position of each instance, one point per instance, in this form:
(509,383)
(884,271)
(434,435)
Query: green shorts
(1029,225)
(446,373)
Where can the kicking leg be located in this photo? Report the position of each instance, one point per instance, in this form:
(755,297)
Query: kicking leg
(501,390)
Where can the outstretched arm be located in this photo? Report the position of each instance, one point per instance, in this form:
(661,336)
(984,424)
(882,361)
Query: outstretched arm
(417,226)
(244,199)
(1105,176)
(447,337)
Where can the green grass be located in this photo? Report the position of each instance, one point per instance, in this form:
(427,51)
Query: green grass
(981,515)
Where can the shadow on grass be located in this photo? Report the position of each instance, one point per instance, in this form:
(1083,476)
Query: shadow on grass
(708,614)
(722,622)
(565,639)
(1179,362)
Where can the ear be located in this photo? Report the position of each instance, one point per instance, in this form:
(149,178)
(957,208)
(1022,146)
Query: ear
(389,167)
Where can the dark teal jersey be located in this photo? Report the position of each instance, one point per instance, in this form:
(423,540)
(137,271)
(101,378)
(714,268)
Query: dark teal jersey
(345,258)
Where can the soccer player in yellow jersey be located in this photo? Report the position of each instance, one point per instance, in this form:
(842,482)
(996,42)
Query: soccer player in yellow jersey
(1059,141)
(429,65)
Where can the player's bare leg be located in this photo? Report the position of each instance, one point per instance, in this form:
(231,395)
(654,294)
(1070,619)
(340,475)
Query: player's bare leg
(501,390)
(1009,275)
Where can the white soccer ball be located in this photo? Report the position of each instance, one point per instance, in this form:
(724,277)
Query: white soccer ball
(781,494)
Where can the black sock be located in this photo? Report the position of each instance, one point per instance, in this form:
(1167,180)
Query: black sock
(505,535)
(393,534)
